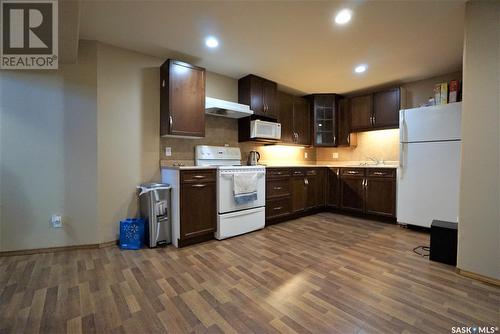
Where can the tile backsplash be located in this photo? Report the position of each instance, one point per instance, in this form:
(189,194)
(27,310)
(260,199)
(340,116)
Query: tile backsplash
(222,131)
(382,145)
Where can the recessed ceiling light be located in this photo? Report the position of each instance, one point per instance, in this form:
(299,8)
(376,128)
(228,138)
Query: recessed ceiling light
(360,68)
(343,16)
(211,42)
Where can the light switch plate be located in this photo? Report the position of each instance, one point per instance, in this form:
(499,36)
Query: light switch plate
(168,151)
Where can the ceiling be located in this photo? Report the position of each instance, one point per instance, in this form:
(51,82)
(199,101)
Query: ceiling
(293,43)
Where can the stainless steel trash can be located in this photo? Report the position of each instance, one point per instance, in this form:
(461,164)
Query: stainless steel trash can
(154,202)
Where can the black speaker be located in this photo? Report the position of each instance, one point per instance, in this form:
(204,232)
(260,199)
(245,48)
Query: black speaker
(444,242)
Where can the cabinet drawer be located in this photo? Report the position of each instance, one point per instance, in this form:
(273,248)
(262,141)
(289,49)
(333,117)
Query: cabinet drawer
(352,171)
(381,172)
(277,207)
(311,172)
(298,172)
(204,175)
(279,187)
(277,172)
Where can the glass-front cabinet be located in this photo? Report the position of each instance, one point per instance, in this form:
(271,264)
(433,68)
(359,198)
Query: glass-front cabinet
(325,119)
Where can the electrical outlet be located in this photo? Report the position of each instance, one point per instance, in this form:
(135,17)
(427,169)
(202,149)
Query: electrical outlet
(305,155)
(168,151)
(335,155)
(56,221)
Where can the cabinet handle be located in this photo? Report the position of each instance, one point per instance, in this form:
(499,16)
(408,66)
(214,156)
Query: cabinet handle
(198,177)
(198,185)
(334,139)
(278,208)
(349,139)
(306,181)
(352,172)
(338,172)
(378,173)
(163,83)
(278,188)
(374,120)
(171,121)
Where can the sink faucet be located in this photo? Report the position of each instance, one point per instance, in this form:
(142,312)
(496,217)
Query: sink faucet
(375,160)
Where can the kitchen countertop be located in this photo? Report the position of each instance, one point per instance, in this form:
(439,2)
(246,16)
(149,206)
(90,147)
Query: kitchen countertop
(188,167)
(348,164)
(345,165)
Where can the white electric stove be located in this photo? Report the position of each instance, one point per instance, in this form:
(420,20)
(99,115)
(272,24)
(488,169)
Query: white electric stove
(233,218)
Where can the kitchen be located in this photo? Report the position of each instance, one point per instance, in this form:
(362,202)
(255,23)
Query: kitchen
(302,229)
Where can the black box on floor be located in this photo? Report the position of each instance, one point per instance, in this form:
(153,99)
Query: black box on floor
(444,242)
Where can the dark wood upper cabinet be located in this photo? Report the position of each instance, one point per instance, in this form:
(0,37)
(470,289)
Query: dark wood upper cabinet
(361,108)
(182,99)
(324,109)
(386,107)
(301,121)
(344,121)
(285,117)
(376,111)
(294,117)
(259,94)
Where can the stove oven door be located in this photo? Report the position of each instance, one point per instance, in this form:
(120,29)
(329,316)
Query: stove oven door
(225,194)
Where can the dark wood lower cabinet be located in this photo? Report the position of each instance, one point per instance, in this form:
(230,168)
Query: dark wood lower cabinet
(300,191)
(352,193)
(198,208)
(381,196)
(333,187)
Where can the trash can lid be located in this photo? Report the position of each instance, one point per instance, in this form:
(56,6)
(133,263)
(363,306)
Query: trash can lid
(147,187)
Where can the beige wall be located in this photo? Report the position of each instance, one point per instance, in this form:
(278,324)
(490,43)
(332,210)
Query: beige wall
(48,155)
(419,92)
(479,219)
(128,126)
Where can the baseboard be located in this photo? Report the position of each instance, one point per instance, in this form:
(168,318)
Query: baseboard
(57,249)
(479,277)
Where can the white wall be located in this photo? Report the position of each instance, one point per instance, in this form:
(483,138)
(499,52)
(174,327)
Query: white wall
(479,220)
(48,155)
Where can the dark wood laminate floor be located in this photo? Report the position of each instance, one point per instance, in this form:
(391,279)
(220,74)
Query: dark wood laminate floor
(325,273)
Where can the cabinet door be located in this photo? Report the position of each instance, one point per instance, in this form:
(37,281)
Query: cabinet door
(386,107)
(352,193)
(321,188)
(333,187)
(311,191)
(344,128)
(301,121)
(269,90)
(182,99)
(198,209)
(324,120)
(256,95)
(298,193)
(361,112)
(285,117)
(381,196)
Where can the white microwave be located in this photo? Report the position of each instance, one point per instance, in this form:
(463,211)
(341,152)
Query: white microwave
(265,130)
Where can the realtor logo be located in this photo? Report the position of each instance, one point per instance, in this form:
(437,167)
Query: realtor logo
(29,34)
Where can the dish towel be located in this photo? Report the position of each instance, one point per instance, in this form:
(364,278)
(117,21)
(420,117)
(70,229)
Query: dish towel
(245,187)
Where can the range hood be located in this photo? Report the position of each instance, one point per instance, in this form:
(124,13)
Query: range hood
(224,108)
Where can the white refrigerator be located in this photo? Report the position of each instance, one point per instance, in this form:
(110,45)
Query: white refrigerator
(429,164)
